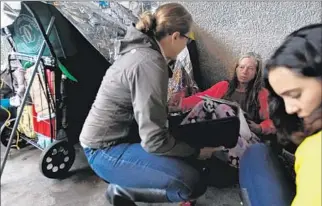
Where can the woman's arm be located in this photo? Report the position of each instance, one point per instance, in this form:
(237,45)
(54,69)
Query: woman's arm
(216,91)
(148,86)
(266,125)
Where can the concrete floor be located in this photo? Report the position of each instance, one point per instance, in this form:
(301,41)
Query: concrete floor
(22,184)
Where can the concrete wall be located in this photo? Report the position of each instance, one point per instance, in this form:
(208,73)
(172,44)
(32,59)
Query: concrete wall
(225,29)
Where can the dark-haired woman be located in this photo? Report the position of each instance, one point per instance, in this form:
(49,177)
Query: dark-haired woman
(294,77)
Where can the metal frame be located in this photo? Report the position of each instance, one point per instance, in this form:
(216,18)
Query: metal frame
(33,74)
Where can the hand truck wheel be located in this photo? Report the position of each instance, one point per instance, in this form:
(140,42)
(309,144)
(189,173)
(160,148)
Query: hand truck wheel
(57,159)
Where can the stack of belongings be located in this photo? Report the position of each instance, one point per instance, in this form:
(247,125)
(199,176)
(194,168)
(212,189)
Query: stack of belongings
(182,83)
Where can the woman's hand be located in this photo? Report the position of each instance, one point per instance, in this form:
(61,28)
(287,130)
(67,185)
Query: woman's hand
(173,109)
(174,103)
(207,152)
(256,128)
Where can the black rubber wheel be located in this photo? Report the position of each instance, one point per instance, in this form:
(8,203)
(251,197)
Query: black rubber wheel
(5,132)
(57,159)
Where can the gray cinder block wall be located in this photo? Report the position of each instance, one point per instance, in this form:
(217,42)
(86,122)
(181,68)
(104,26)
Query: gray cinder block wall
(225,29)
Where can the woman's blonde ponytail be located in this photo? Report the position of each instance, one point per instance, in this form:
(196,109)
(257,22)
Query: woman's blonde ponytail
(145,22)
(167,19)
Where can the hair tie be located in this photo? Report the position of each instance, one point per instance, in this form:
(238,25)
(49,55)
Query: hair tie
(153,27)
(154,23)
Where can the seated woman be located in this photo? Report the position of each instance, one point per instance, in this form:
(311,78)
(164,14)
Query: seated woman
(246,89)
(294,77)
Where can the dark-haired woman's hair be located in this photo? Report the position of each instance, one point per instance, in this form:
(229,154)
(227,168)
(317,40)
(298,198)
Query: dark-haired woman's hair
(253,87)
(301,52)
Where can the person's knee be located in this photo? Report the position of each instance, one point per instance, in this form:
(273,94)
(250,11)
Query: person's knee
(259,148)
(188,187)
(255,160)
(259,166)
(256,151)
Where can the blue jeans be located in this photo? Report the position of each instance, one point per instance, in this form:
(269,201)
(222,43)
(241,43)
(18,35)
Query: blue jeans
(128,165)
(263,179)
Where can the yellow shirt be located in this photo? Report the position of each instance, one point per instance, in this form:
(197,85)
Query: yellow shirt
(308,172)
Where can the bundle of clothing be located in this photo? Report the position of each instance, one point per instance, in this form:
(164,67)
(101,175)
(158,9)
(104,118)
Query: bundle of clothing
(13,81)
(207,110)
(13,86)
(184,71)
(39,111)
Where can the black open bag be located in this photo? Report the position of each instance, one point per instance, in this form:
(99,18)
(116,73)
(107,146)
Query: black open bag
(208,133)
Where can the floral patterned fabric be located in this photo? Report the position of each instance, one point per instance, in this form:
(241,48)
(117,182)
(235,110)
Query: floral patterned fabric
(208,110)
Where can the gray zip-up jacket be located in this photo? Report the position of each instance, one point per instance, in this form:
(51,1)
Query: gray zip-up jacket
(133,89)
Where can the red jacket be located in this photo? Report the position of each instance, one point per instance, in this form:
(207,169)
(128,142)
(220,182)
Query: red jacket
(220,89)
